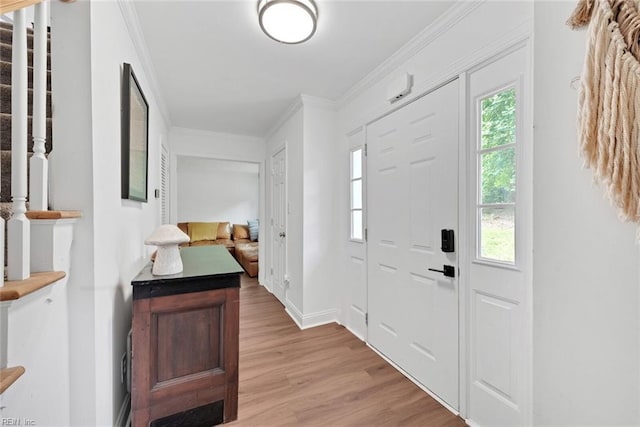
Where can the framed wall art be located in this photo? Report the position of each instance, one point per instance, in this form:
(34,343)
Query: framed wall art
(135,137)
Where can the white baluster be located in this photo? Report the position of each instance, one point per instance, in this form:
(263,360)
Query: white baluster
(18,232)
(38,200)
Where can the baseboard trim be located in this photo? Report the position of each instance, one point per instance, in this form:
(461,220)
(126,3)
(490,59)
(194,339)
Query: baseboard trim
(267,285)
(355,334)
(294,313)
(319,318)
(124,416)
(307,321)
(413,380)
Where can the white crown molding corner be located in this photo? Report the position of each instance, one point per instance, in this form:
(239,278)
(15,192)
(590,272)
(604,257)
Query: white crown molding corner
(323,103)
(452,16)
(286,115)
(130,16)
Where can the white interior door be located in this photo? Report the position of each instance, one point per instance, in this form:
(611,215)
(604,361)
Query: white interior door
(412,192)
(278,223)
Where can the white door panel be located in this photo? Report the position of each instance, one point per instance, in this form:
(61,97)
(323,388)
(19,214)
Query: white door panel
(498,305)
(412,194)
(278,223)
(356,268)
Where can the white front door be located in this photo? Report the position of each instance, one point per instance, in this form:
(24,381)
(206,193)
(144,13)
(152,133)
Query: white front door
(412,165)
(499,307)
(278,223)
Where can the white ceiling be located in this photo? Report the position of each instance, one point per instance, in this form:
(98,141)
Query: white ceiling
(217,71)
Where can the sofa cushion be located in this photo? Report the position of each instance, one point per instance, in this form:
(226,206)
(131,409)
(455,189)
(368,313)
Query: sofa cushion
(203,231)
(224,230)
(224,242)
(240,232)
(254,226)
(227,242)
(250,255)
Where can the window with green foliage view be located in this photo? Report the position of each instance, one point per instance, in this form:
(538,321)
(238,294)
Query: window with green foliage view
(497,177)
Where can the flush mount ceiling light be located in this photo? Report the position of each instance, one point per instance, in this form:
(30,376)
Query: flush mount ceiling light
(288,21)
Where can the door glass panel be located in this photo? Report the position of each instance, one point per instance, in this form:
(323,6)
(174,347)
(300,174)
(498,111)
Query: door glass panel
(498,176)
(497,234)
(356,225)
(356,194)
(498,119)
(356,163)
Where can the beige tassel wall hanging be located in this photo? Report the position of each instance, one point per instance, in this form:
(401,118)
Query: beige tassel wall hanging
(609,99)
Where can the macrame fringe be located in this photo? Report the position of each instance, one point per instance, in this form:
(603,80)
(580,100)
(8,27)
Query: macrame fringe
(609,103)
(581,15)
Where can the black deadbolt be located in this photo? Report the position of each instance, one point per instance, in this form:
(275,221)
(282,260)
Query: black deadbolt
(447,241)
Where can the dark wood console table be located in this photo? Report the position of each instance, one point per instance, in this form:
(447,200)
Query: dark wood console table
(185,342)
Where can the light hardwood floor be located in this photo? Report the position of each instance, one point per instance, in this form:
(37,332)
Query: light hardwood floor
(322,376)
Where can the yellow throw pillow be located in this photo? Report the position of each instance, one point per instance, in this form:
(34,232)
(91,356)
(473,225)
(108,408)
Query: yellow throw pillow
(203,231)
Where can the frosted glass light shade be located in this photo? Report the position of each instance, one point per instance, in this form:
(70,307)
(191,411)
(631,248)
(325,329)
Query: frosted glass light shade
(288,21)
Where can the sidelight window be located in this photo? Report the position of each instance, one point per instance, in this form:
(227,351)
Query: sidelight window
(356,195)
(496,161)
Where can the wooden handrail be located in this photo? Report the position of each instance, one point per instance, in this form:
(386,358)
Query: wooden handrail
(12,5)
(16,289)
(8,376)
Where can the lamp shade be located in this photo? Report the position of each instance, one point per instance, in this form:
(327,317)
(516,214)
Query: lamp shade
(288,21)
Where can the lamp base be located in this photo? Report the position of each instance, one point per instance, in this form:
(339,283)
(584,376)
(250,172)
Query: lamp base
(168,261)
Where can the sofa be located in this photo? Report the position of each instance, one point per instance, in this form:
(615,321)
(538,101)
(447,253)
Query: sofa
(235,238)
(206,233)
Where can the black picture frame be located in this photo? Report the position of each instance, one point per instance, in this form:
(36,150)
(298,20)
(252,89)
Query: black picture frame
(135,138)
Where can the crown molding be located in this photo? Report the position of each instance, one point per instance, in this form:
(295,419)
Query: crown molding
(300,101)
(452,16)
(137,37)
(288,113)
(323,103)
(214,134)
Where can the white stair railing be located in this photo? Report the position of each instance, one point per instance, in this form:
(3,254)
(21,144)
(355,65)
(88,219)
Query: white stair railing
(38,183)
(18,229)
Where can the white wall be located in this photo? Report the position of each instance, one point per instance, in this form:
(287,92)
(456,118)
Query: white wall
(120,225)
(290,135)
(217,190)
(308,130)
(320,216)
(586,278)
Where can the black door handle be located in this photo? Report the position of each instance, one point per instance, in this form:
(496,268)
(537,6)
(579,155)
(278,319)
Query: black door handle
(447,270)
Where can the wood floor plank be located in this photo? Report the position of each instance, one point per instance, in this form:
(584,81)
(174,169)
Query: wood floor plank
(322,376)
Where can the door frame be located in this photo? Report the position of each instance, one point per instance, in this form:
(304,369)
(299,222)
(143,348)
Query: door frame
(525,201)
(464,221)
(269,276)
